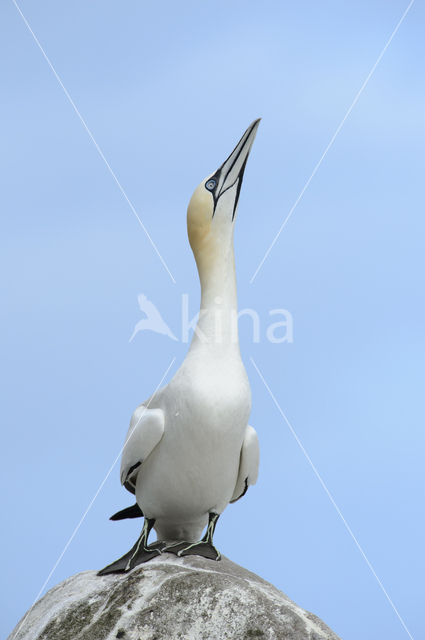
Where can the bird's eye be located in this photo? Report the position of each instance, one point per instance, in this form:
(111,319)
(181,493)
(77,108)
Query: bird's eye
(210,184)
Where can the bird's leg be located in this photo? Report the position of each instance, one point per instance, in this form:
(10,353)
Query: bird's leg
(203,548)
(139,553)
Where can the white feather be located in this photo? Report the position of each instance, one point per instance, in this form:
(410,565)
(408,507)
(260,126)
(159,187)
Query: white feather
(145,431)
(249,463)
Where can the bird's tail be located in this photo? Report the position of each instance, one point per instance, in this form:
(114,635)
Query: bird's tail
(130,512)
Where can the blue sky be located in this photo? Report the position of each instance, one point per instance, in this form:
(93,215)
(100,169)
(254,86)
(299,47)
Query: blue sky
(167,89)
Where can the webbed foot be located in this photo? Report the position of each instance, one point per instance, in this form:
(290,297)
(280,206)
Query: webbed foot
(139,553)
(202,548)
(130,560)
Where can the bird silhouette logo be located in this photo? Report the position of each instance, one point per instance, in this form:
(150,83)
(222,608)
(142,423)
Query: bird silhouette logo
(153,320)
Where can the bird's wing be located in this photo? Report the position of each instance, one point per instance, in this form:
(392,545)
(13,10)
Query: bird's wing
(145,431)
(248,465)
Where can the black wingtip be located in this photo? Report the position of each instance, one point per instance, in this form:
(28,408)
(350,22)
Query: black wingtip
(243,492)
(130,512)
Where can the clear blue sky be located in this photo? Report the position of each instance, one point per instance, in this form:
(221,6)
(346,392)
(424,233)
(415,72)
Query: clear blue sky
(167,89)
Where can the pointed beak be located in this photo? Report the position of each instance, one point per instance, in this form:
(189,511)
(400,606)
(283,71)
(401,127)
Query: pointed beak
(231,171)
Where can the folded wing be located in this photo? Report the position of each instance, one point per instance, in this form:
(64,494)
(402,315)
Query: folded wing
(248,465)
(145,432)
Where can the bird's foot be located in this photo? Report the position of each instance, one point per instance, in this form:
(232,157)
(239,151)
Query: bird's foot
(137,555)
(160,545)
(175,547)
(201,548)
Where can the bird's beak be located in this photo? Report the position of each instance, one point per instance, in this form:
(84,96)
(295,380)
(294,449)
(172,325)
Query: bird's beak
(231,171)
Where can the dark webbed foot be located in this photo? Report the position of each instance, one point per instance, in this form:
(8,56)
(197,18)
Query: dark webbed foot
(201,548)
(204,547)
(130,560)
(139,553)
(157,545)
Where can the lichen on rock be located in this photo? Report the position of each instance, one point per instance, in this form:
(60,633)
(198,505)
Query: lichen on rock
(170,598)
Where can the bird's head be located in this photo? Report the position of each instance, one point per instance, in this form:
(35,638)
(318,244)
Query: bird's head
(212,208)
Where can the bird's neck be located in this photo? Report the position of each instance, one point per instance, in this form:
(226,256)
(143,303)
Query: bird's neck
(217,324)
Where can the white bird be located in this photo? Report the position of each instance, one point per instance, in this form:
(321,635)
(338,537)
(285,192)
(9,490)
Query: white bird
(189,450)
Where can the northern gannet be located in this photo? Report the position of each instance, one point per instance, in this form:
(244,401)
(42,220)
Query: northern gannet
(189,450)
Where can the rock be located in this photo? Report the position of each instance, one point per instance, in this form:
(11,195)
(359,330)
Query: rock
(170,598)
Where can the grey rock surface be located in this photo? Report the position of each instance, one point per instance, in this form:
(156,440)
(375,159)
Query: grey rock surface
(170,598)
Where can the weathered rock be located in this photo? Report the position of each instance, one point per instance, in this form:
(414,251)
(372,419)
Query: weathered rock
(170,598)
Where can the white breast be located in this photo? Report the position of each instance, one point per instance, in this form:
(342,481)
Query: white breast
(194,468)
